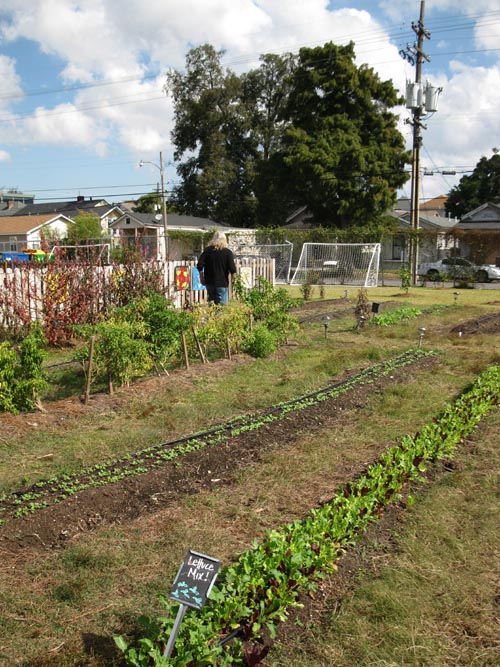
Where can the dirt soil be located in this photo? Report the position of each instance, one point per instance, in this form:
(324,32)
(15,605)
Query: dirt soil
(56,526)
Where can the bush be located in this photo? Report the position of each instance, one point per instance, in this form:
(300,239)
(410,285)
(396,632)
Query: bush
(21,376)
(262,342)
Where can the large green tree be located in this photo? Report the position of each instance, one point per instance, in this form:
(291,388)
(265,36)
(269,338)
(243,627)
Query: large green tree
(212,140)
(343,147)
(265,93)
(473,190)
(314,130)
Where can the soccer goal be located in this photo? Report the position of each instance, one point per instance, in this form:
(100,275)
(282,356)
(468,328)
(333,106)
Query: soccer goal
(282,255)
(338,264)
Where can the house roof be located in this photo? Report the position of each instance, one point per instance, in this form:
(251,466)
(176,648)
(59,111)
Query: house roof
(426,220)
(67,207)
(434,204)
(24,224)
(174,220)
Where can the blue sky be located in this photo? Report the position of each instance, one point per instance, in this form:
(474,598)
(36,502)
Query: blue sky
(82,99)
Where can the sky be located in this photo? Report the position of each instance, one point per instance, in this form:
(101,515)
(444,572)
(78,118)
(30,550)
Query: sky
(82,97)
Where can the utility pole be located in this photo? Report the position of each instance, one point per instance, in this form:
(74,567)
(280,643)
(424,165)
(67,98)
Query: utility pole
(161,169)
(416,56)
(164,205)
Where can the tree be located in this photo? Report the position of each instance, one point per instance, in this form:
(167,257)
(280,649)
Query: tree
(211,138)
(343,147)
(265,93)
(473,190)
(86,227)
(150,203)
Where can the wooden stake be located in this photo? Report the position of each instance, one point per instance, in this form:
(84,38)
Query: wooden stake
(228,348)
(185,350)
(198,345)
(89,370)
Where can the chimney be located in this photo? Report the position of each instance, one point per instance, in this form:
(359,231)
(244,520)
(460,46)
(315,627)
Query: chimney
(80,198)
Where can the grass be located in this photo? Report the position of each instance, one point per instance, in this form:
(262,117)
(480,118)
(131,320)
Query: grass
(62,609)
(433,601)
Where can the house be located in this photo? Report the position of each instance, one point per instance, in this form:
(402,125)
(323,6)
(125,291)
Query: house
(148,230)
(12,200)
(479,234)
(436,238)
(27,231)
(300,218)
(71,209)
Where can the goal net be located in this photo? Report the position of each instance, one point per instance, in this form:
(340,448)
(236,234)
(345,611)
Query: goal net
(338,264)
(282,255)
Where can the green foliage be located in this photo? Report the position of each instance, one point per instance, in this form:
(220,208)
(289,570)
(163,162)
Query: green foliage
(86,226)
(22,378)
(120,351)
(161,325)
(215,326)
(270,306)
(475,189)
(405,275)
(255,593)
(312,130)
(387,319)
(261,342)
(150,203)
(343,147)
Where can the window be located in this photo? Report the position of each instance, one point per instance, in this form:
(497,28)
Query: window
(398,247)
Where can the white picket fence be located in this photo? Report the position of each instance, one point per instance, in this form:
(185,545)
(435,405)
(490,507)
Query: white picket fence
(22,288)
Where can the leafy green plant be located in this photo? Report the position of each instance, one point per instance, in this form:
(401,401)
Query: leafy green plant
(261,342)
(22,378)
(256,591)
(405,275)
(270,306)
(387,319)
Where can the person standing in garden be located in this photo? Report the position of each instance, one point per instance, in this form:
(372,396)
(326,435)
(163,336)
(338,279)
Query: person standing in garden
(215,265)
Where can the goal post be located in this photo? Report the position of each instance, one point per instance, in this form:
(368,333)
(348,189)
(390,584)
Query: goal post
(338,264)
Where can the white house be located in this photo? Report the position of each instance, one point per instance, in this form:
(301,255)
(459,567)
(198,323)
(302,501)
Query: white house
(18,232)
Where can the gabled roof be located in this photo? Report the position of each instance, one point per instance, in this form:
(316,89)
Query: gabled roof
(426,221)
(66,207)
(24,224)
(494,207)
(174,220)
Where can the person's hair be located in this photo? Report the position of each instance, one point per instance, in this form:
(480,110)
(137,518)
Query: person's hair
(219,241)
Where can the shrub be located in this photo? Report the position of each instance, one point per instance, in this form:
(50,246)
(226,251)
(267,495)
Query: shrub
(262,342)
(21,376)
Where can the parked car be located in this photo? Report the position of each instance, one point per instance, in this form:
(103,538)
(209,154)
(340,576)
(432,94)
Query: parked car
(459,268)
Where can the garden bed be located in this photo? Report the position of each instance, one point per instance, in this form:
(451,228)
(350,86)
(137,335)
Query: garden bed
(56,525)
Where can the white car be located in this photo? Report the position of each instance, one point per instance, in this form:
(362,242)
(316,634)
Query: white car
(458,267)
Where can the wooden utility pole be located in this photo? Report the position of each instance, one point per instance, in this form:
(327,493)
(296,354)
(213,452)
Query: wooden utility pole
(416,56)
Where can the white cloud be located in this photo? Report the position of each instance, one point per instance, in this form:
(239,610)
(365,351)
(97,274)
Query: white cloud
(11,83)
(4,156)
(134,44)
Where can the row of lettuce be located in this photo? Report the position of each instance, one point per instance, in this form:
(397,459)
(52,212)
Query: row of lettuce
(258,591)
(149,334)
(45,493)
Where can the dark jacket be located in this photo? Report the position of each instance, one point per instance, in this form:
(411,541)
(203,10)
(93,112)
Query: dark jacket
(216,266)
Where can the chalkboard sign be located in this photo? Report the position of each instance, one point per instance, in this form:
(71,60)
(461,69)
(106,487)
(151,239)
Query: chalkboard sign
(195,579)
